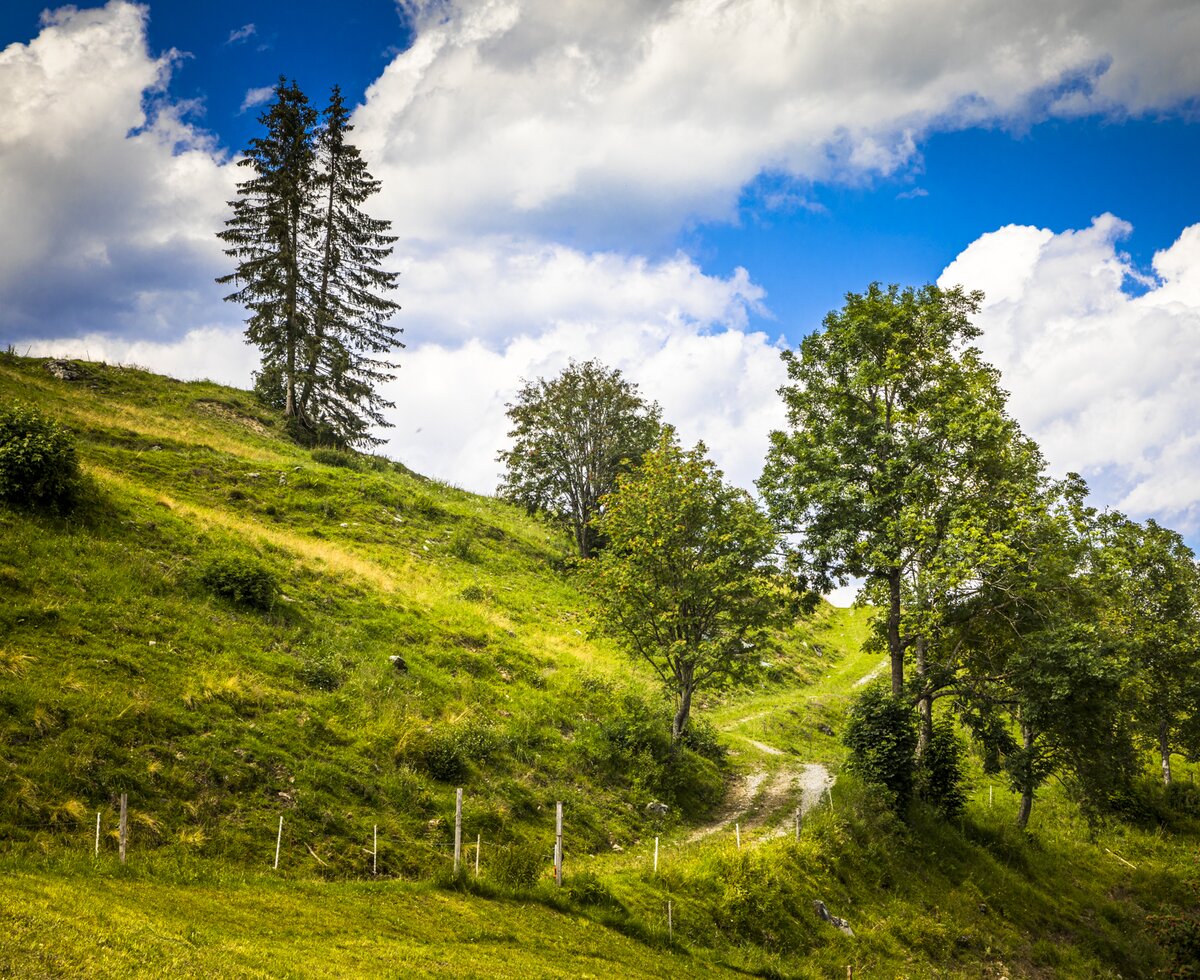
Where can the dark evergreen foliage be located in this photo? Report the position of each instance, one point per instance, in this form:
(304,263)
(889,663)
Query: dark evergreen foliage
(309,272)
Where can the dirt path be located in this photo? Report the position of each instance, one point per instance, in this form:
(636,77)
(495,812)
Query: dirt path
(766,801)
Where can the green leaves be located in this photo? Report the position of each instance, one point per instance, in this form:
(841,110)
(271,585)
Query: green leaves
(572,436)
(685,580)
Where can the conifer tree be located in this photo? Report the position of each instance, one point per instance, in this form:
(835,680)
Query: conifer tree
(309,271)
(269,236)
(350,310)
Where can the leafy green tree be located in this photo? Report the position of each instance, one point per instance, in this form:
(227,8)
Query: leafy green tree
(685,581)
(572,437)
(897,427)
(1039,661)
(309,271)
(1155,609)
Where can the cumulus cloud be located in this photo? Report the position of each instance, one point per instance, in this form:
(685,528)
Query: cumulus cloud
(216,353)
(519,311)
(632,117)
(1105,379)
(110,198)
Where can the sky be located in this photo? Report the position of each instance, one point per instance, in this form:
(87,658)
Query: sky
(681,189)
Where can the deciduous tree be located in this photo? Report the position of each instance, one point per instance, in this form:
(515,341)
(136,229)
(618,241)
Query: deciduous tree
(572,436)
(897,430)
(685,581)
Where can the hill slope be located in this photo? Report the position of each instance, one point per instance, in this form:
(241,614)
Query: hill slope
(124,670)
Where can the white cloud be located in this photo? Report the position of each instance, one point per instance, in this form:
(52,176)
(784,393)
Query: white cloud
(109,206)
(1104,380)
(256,96)
(243,33)
(681,335)
(218,354)
(520,141)
(626,119)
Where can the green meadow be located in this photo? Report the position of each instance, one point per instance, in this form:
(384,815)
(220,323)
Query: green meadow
(415,639)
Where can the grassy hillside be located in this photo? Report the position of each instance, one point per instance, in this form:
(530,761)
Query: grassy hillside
(124,669)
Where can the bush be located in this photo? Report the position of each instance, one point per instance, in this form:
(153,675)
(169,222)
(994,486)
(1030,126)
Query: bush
(336,457)
(240,579)
(38,466)
(882,735)
(940,773)
(443,758)
(516,865)
(587,889)
(322,671)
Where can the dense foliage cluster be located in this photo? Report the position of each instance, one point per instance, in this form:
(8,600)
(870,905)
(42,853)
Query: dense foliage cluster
(573,435)
(38,466)
(1061,637)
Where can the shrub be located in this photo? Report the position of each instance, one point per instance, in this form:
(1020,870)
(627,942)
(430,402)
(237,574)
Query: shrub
(516,865)
(940,773)
(701,737)
(38,466)
(462,544)
(322,670)
(442,756)
(336,457)
(882,735)
(240,579)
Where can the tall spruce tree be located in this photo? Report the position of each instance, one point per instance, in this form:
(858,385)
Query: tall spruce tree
(269,235)
(351,310)
(309,271)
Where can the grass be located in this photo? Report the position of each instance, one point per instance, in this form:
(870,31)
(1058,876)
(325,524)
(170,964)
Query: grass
(120,671)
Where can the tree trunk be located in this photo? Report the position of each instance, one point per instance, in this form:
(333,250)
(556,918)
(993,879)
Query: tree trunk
(1026,778)
(680,721)
(895,648)
(924,704)
(1164,748)
(314,354)
(291,313)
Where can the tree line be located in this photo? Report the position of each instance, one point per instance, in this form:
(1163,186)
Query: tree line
(1065,640)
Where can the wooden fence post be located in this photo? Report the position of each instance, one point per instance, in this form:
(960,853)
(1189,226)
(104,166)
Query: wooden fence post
(278,841)
(558,849)
(737,830)
(457,829)
(123,830)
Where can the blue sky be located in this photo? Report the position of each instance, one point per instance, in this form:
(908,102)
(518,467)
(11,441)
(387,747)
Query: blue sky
(678,188)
